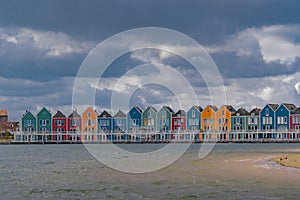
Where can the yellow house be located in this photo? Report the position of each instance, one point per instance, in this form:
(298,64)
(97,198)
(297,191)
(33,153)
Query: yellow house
(223,118)
(89,121)
(208,117)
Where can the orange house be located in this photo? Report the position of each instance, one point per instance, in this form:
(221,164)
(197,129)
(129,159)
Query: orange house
(208,117)
(223,118)
(89,121)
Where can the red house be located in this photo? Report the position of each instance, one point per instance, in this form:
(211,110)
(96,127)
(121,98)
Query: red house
(59,123)
(295,122)
(179,121)
(74,122)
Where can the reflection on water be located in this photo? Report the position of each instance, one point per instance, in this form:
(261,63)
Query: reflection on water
(231,171)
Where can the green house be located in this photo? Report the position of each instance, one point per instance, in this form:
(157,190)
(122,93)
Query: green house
(44,119)
(149,119)
(239,120)
(28,122)
(164,119)
(253,120)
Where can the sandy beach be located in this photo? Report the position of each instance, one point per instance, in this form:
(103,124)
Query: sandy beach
(289,160)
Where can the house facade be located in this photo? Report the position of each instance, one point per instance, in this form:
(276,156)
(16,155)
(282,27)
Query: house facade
(119,122)
(268,117)
(59,122)
(105,122)
(239,120)
(134,120)
(208,118)
(164,119)
(193,118)
(254,120)
(149,119)
(283,113)
(74,123)
(89,121)
(295,120)
(223,117)
(28,122)
(44,121)
(179,121)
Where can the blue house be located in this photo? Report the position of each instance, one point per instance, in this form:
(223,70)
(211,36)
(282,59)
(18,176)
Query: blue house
(104,122)
(119,122)
(193,118)
(134,120)
(268,118)
(283,114)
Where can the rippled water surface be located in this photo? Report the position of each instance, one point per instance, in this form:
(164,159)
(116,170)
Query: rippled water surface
(230,171)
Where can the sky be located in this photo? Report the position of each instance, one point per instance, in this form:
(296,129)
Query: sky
(254,44)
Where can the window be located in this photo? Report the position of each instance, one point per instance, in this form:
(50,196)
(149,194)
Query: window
(164,114)
(44,122)
(205,121)
(223,113)
(89,115)
(267,112)
(92,122)
(285,120)
(149,114)
(134,122)
(193,113)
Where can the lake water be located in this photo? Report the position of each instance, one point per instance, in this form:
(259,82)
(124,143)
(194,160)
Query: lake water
(230,171)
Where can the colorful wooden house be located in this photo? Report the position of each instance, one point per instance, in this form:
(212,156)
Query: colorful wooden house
(283,113)
(253,120)
(164,119)
(105,122)
(193,119)
(134,120)
(89,120)
(223,117)
(208,118)
(74,123)
(149,119)
(59,122)
(268,117)
(239,120)
(295,120)
(28,122)
(119,122)
(44,121)
(179,121)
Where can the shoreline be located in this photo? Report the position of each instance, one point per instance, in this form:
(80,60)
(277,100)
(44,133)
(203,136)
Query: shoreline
(288,160)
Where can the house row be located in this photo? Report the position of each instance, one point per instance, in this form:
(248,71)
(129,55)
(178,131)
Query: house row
(272,117)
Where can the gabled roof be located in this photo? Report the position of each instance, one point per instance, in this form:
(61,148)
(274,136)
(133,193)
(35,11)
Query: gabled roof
(43,109)
(255,111)
(290,107)
(241,112)
(273,106)
(28,113)
(198,108)
(181,113)
(151,107)
(105,113)
(297,111)
(59,114)
(3,113)
(138,109)
(230,108)
(214,108)
(74,114)
(120,114)
(169,109)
